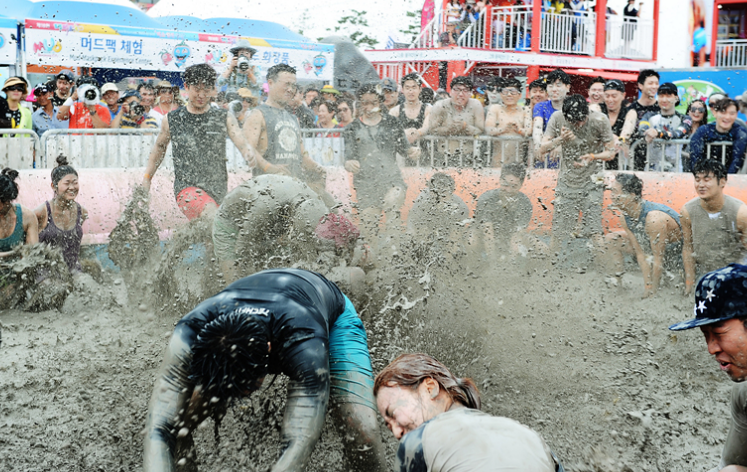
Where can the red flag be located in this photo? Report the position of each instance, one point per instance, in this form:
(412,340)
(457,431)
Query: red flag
(429,9)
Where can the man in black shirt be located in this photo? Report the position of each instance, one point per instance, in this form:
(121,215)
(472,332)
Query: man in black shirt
(198,133)
(288,321)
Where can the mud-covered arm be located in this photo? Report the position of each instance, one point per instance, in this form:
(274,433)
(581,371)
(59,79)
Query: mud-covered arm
(734,452)
(170,397)
(307,365)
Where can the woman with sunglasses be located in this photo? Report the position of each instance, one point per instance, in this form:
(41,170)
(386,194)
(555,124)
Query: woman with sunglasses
(12,113)
(698,112)
(168,98)
(509,120)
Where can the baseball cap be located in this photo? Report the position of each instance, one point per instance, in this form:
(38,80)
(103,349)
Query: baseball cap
(386,84)
(128,94)
(42,88)
(667,88)
(330,89)
(720,295)
(109,87)
(614,84)
(244,93)
(65,75)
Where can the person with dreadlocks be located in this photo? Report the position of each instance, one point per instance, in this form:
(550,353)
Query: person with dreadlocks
(287,321)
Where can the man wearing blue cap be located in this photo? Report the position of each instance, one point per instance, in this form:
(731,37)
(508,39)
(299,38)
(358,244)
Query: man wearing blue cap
(721,314)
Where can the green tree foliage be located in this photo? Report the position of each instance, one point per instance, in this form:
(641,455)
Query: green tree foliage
(413,28)
(353,27)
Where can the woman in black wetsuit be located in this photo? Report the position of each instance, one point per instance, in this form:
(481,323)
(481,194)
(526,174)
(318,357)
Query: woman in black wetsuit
(287,321)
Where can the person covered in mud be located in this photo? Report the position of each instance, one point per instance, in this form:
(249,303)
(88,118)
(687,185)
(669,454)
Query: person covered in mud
(286,321)
(650,231)
(714,225)
(438,211)
(509,119)
(587,141)
(502,215)
(61,218)
(198,133)
(17,224)
(721,314)
(276,134)
(456,116)
(372,143)
(423,404)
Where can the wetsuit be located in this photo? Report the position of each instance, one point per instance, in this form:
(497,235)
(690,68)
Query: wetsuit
(673,251)
(18,236)
(464,439)
(707,133)
(316,339)
(67,241)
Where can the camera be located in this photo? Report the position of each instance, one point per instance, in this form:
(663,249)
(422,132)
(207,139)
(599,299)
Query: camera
(243,63)
(235,106)
(89,94)
(136,109)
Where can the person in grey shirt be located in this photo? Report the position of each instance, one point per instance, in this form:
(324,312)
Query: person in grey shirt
(587,141)
(721,314)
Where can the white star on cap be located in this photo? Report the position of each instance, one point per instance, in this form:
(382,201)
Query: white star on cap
(701,306)
(710,295)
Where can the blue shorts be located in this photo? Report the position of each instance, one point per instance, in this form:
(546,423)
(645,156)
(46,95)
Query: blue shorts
(351,374)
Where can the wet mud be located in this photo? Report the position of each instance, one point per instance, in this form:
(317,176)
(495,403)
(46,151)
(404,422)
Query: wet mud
(588,364)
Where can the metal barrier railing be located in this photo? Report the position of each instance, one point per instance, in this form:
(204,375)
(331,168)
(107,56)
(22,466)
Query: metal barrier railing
(325,146)
(19,148)
(672,155)
(429,36)
(472,151)
(512,27)
(568,33)
(731,53)
(630,38)
(99,148)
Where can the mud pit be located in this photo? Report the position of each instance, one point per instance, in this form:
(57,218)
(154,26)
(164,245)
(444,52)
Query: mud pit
(590,366)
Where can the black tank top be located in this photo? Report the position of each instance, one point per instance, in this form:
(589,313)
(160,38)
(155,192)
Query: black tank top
(283,136)
(416,123)
(199,149)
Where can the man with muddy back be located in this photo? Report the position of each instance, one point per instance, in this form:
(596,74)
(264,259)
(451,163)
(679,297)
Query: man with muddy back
(714,225)
(721,314)
(276,134)
(198,133)
(287,321)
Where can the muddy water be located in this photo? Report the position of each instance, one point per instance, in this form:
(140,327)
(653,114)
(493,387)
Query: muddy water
(589,365)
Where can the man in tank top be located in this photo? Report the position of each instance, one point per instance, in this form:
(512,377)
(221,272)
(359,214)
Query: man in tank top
(649,229)
(275,133)
(198,133)
(714,225)
(413,114)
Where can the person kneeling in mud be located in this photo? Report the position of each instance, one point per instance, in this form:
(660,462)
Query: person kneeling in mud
(424,404)
(287,321)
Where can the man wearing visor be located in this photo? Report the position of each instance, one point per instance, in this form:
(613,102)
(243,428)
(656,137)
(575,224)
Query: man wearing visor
(12,113)
(721,314)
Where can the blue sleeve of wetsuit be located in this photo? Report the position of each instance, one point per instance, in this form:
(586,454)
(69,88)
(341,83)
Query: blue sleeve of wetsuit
(738,150)
(697,146)
(307,365)
(410,455)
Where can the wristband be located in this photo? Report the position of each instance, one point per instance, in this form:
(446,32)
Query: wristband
(592,157)
(147,176)
(69,102)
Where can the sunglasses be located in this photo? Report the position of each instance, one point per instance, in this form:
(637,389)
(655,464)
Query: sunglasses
(16,88)
(492,88)
(697,110)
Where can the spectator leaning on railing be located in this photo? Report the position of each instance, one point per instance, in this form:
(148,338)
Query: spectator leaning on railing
(723,129)
(622,116)
(12,113)
(667,124)
(45,116)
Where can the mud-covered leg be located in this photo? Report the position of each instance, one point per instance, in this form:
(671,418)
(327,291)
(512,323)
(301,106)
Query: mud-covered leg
(364,449)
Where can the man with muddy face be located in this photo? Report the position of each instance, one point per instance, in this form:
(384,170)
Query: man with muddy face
(288,321)
(721,314)
(558,86)
(587,141)
(714,225)
(276,134)
(198,133)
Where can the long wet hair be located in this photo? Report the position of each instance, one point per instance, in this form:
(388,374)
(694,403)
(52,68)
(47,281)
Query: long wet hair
(8,185)
(230,355)
(63,168)
(409,370)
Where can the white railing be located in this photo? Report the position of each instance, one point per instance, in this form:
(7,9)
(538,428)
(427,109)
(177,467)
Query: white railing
(673,155)
(731,53)
(512,27)
(98,148)
(471,37)
(629,38)
(325,146)
(568,33)
(472,151)
(19,148)
(429,36)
